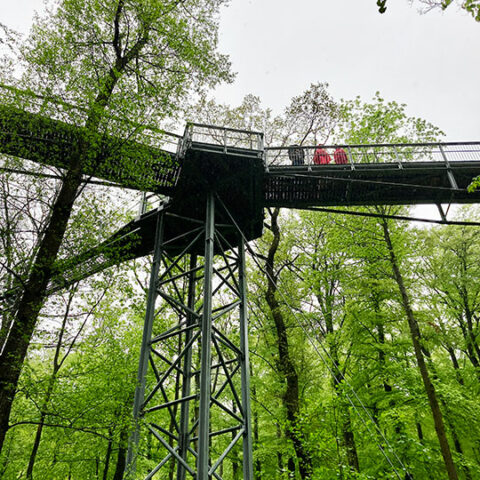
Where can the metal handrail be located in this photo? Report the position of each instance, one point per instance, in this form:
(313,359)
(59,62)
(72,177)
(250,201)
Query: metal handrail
(228,129)
(367,145)
(380,153)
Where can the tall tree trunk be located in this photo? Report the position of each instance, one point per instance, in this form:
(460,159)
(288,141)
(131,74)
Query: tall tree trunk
(108,455)
(280,455)
(257,466)
(122,454)
(456,366)
(35,290)
(286,366)
(415,335)
(57,363)
(448,415)
(470,351)
(348,438)
(21,333)
(38,435)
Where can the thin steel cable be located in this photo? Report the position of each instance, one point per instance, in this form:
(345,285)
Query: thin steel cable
(60,177)
(393,217)
(382,450)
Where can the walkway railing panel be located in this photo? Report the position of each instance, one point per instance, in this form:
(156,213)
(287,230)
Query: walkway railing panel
(349,155)
(223,138)
(133,160)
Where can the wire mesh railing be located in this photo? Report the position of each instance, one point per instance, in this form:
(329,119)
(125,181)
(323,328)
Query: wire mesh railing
(15,100)
(350,155)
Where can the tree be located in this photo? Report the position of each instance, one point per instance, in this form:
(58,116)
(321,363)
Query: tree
(380,122)
(470,6)
(72,412)
(285,361)
(450,272)
(132,60)
(420,355)
(325,269)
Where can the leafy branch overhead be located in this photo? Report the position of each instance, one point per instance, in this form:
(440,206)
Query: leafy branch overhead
(382,6)
(470,6)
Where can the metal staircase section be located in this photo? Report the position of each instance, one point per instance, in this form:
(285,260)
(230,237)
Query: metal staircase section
(133,240)
(52,142)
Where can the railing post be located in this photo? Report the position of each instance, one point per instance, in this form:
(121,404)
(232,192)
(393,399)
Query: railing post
(397,157)
(260,142)
(451,178)
(349,153)
(142,208)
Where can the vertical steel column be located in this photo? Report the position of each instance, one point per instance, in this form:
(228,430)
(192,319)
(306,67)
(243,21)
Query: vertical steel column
(245,366)
(184,440)
(145,350)
(206,338)
(142,207)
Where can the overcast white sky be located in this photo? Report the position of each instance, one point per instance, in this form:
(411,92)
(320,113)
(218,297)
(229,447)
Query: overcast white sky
(430,62)
(279,47)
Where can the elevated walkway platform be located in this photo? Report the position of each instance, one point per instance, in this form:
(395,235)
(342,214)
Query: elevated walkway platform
(402,174)
(229,160)
(371,184)
(244,176)
(54,143)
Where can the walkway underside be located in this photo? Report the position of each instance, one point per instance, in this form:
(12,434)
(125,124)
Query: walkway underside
(54,143)
(294,187)
(407,183)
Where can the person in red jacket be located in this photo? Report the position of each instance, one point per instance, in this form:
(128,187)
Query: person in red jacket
(321,157)
(340,156)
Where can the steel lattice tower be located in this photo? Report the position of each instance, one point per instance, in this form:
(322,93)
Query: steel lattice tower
(194,365)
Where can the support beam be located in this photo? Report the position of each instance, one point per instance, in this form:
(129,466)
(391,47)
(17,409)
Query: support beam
(145,349)
(206,347)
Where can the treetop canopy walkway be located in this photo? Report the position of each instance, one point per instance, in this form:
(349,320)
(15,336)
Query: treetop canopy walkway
(119,160)
(218,180)
(396,174)
(391,173)
(244,174)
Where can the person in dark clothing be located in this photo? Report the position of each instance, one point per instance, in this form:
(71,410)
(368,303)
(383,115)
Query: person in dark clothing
(340,156)
(296,155)
(321,157)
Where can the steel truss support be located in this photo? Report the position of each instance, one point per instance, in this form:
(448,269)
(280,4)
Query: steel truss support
(193,385)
